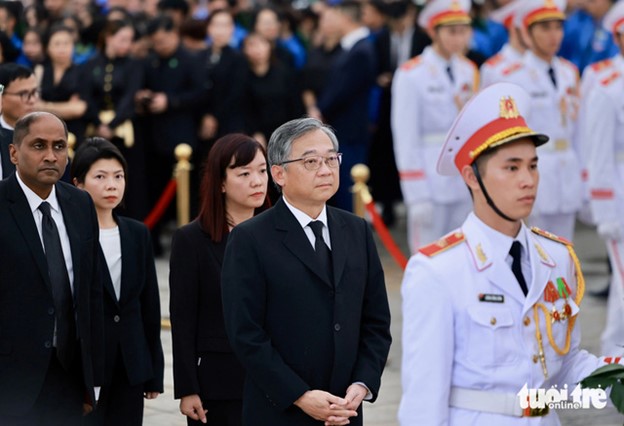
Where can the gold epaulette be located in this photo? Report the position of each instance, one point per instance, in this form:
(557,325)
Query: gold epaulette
(444,243)
(512,68)
(494,60)
(610,79)
(550,236)
(600,65)
(408,65)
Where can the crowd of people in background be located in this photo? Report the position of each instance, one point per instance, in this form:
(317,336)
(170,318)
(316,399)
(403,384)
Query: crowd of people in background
(152,74)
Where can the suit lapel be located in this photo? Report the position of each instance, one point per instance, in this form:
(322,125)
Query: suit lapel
(128,255)
(339,243)
(20,209)
(108,282)
(71,224)
(296,240)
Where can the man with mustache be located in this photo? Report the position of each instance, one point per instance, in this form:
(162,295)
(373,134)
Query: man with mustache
(18,97)
(51,353)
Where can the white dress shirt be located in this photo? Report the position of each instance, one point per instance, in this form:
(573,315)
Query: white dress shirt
(110,241)
(304,220)
(34,201)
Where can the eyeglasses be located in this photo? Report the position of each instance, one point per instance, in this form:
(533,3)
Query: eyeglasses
(314,162)
(1,88)
(25,95)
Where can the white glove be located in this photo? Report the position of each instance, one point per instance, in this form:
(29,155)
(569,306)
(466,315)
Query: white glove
(421,213)
(610,231)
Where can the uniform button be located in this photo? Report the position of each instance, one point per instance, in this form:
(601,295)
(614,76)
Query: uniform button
(535,359)
(527,321)
(50,311)
(116,318)
(337,327)
(493,321)
(47,344)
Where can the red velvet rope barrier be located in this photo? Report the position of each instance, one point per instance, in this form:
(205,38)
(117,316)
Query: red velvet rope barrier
(163,202)
(385,236)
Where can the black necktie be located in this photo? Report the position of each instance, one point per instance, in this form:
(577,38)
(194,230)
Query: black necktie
(449,71)
(61,291)
(322,251)
(553,78)
(516,266)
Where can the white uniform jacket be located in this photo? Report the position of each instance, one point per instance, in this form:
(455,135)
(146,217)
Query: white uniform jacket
(553,112)
(592,77)
(424,104)
(467,324)
(492,69)
(603,126)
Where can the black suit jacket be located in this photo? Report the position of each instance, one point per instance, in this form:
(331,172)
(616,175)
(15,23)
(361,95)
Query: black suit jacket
(6,138)
(197,324)
(132,324)
(26,305)
(291,328)
(181,78)
(345,100)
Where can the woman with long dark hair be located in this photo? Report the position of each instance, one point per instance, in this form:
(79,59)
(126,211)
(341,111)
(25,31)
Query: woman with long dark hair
(208,378)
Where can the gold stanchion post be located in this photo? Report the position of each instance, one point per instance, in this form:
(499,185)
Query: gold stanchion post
(360,174)
(71,145)
(182,173)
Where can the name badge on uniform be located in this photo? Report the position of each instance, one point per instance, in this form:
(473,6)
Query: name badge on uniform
(491,298)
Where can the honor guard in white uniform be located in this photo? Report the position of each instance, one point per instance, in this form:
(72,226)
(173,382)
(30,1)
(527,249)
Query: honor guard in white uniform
(603,128)
(492,306)
(591,78)
(427,93)
(552,83)
(511,52)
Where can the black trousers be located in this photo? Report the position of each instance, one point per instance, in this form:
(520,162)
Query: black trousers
(60,401)
(221,413)
(120,402)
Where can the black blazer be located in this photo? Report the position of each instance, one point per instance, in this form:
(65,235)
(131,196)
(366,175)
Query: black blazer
(292,330)
(26,305)
(181,78)
(197,324)
(345,100)
(6,138)
(132,324)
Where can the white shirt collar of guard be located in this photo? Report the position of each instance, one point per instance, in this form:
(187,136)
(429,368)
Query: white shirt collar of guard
(500,241)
